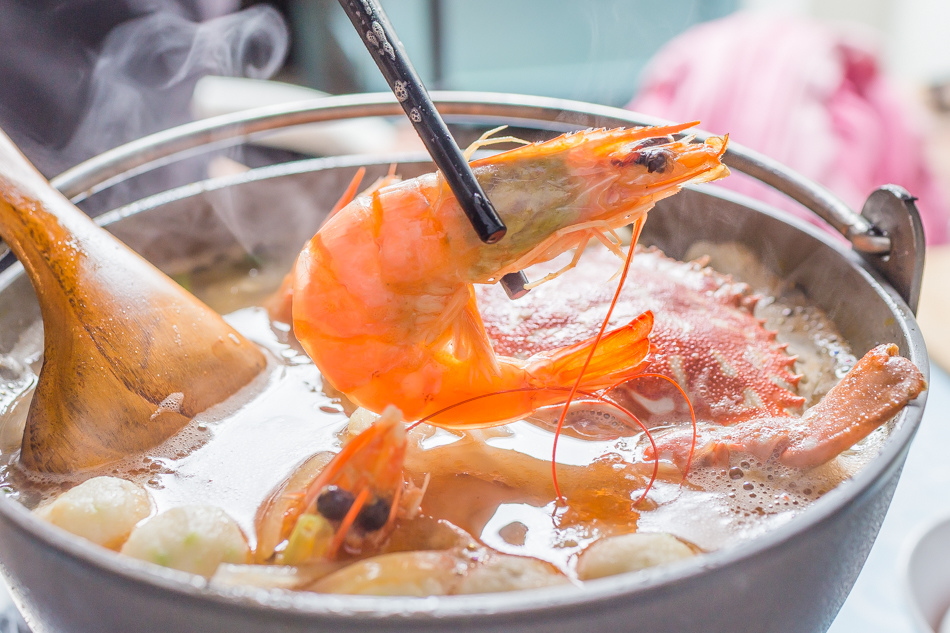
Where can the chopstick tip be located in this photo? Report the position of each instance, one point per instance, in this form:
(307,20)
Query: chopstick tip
(514,284)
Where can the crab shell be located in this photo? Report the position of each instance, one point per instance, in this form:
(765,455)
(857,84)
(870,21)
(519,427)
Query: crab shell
(705,336)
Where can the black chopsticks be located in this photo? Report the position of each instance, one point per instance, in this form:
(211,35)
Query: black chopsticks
(381,41)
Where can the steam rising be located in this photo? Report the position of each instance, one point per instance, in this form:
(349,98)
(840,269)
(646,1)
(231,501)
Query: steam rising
(146,73)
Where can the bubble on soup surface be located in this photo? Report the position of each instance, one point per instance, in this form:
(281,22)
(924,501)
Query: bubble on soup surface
(171,404)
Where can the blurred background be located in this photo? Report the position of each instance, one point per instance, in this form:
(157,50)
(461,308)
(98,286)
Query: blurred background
(592,51)
(57,55)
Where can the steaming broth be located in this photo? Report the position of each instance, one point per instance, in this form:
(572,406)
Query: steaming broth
(235,454)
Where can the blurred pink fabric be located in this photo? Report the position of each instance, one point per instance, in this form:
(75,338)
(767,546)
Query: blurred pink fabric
(804,94)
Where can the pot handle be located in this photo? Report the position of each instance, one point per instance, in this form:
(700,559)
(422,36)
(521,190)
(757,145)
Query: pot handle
(887,234)
(891,210)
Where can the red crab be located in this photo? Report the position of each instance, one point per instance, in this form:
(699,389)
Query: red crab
(705,336)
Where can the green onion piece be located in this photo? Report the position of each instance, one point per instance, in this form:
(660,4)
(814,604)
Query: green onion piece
(309,540)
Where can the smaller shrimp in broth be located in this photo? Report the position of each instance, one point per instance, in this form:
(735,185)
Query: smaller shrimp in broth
(348,501)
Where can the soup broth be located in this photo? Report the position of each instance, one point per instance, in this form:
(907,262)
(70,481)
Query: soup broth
(237,453)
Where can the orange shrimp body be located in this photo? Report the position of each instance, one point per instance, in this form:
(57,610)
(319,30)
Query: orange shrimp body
(383,299)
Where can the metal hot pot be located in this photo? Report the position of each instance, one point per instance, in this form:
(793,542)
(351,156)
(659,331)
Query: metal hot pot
(793,578)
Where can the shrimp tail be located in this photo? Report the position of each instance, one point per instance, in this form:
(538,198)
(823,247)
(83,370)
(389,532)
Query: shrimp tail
(618,357)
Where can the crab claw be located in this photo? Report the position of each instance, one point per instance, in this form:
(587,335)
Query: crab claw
(873,392)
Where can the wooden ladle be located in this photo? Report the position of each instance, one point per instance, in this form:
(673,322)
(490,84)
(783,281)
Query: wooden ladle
(129,356)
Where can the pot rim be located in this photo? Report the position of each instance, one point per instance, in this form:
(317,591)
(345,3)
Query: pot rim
(519,604)
(563,115)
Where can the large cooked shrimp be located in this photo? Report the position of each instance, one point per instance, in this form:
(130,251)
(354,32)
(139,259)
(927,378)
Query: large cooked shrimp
(383,300)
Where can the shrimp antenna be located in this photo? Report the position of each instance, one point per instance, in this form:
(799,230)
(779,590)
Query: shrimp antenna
(487,139)
(593,396)
(637,228)
(349,193)
(646,431)
(692,414)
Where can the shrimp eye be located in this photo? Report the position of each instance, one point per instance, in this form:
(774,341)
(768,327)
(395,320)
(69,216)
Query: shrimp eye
(373,516)
(654,160)
(334,502)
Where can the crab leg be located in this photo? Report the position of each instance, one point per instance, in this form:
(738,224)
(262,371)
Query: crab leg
(873,392)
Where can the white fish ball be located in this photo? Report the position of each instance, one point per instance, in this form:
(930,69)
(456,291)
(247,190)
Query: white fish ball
(510,573)
(630,552)
(102,509)
(195,539)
